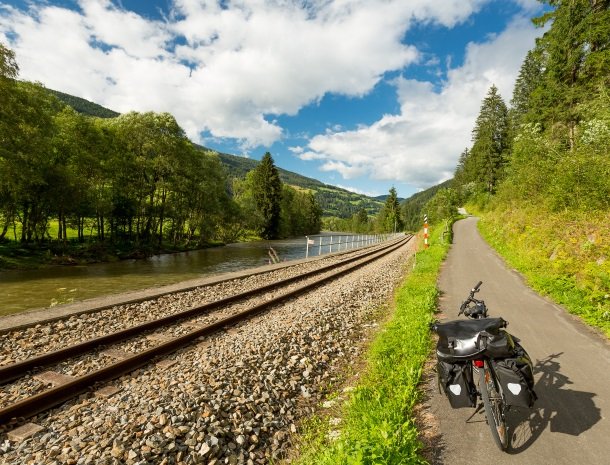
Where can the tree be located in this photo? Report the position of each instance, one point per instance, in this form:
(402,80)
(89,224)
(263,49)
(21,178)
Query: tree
(27,163)
(464,176)
(153,146)
(491,143)
(8,65)
(443,206)
(389,219)
(313,214)
(267,195)
(8,72)
(576,62)
(526,84)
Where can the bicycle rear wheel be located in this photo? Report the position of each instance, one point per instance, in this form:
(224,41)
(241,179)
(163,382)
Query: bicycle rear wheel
(495,408)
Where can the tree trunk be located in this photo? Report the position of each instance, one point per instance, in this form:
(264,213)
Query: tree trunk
(4,230)
(60,235)
(162,215)
(24,222)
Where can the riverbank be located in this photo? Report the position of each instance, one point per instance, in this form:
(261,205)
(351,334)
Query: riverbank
(16,256)
(56,285)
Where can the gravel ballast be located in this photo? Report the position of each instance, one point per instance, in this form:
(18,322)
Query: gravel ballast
(236,397)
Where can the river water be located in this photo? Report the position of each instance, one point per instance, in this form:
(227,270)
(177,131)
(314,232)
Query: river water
(23,290)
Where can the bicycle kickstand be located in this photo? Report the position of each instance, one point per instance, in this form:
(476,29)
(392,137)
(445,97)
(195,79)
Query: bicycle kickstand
(477,410)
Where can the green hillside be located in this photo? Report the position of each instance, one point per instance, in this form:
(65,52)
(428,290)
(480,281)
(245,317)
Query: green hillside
(412,208)
(335,202)
(83,106)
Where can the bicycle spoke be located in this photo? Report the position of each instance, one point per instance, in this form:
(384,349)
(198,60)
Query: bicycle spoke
(494,407)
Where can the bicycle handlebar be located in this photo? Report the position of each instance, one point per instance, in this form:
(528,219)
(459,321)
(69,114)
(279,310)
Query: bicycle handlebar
(465,305)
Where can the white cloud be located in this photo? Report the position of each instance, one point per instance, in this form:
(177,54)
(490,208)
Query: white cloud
(221,69)
(529,6)
(421,145)
(358,191)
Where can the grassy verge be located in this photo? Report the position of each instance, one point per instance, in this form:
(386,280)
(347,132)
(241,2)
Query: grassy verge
(377,424)
(565,256)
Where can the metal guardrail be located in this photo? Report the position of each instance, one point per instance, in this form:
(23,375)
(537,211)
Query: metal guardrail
(324,243)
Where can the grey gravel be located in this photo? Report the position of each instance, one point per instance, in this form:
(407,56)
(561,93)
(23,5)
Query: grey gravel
(236,397)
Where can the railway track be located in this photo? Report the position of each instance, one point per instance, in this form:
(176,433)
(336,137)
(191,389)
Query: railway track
(231,310)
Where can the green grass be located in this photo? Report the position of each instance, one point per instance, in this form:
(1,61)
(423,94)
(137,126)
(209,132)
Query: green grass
(377,421)
(564,256)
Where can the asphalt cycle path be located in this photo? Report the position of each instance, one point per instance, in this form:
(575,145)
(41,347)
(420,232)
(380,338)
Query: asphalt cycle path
(570,422)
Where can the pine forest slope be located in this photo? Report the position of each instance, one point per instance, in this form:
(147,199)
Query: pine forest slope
(412,208)
(84,106)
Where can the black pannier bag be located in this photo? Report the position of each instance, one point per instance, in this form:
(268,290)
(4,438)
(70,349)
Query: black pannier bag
(455,380)
(516,378)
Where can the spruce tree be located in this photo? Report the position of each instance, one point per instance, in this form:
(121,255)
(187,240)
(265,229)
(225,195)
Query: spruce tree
(525,86)
(267,193)
(576,52)
(390,214)
(491,142)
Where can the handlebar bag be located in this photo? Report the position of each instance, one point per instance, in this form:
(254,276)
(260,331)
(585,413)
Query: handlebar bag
(455,380)
(516,377)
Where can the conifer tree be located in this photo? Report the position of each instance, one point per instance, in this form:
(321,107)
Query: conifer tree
(267,193)
(576,52)
(389,219)
(491,142)
(525,86)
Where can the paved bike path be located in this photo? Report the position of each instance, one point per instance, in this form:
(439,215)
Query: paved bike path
(569,423)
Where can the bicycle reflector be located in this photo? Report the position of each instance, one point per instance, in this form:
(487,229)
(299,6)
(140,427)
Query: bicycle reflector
(478,363)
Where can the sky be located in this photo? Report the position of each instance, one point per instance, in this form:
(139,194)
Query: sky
(362,94)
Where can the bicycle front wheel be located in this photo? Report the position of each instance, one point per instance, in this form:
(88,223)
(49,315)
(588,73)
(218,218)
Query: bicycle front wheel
(495,408)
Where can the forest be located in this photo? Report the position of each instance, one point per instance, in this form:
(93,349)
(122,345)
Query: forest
(132,183)
(538,169)
(82,183)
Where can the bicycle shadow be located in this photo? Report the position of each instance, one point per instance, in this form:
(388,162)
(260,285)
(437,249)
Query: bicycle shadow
(559,409)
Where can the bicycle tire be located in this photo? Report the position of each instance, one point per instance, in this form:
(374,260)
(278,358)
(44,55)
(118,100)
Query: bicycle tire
(495,407)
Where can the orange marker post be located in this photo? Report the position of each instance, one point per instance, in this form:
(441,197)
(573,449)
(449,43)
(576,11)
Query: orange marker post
(426,232)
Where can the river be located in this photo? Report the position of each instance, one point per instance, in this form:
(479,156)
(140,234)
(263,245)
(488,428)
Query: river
(23,290)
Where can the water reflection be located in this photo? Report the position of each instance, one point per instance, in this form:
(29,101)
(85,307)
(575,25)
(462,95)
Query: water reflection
(21,290)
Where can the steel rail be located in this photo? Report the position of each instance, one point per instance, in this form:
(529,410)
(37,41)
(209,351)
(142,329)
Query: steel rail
(16,370)
(43,401)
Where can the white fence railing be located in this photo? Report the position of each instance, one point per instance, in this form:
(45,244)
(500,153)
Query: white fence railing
(327,243)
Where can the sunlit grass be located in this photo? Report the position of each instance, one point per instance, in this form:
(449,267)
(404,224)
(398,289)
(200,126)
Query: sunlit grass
(377,424)
(565,256)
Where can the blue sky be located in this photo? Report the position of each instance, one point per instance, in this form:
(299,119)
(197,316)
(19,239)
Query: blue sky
(362,94)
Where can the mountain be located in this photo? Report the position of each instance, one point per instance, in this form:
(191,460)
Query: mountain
(84,106)
(382,198)
(412,208)
(333,200)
